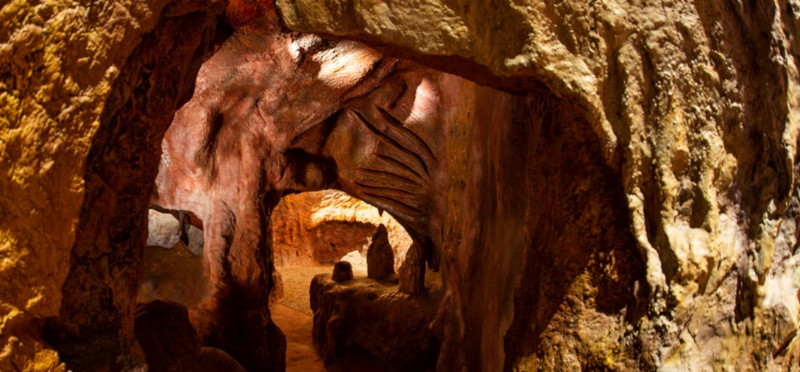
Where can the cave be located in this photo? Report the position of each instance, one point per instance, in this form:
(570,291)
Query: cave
(271,185)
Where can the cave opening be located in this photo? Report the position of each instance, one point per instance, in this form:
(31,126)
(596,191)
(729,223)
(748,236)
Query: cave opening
(276,116)
(274,113)
(312,231)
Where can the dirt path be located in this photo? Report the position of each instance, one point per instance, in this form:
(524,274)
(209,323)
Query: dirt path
(300,353)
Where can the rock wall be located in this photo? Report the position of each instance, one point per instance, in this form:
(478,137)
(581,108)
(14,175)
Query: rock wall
(68,71)
(686,113)
(634,206)
(320,227)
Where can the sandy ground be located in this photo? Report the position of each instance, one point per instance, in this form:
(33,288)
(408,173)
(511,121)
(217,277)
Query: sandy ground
(300,353)
(297,282)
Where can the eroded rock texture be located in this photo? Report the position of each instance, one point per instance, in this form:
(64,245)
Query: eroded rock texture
(633,206)
(380,259)
(412,274)
(85,95)
(676,207)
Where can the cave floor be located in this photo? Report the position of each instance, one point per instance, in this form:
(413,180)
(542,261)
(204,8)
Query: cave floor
(296,326)
(296,283)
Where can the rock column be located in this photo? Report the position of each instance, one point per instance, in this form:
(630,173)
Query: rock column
(380,258)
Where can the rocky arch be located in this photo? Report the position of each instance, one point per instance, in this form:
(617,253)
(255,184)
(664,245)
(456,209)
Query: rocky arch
(277,112)
(662,105)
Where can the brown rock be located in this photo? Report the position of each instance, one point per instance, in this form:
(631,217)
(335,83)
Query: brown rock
(342,271)
(380,258)
(170,343)
(368,316)
(277,292)
(633,207)
(172,275)
(213,359)
(412,272)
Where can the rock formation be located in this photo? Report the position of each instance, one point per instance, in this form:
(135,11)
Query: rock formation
(171,344)
(380,259)
(412,273)
(163,229)
(195,240)
(356,120)
(623,194)
(342,271)
(369,317)
(671,224)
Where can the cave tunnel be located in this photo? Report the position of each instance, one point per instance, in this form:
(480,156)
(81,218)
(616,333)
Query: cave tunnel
(273,115)
(259,185)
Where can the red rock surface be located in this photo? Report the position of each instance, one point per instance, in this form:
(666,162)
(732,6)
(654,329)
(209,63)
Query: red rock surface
(274,112)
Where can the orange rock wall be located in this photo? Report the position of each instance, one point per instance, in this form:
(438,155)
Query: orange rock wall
(320,227)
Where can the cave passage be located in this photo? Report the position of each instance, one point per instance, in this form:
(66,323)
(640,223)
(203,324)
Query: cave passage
(252,201)
(312,231)
(281,124)
(263,185)
(313,235)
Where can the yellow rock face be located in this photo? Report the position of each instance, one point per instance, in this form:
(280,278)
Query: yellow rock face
(58,61)
(696,109)
(693,104)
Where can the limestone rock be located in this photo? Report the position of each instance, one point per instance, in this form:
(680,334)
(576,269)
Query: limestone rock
(633,206)
(678,146)
(163,229)
(412,273)
(72,190)
(342,271)
(380,258)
